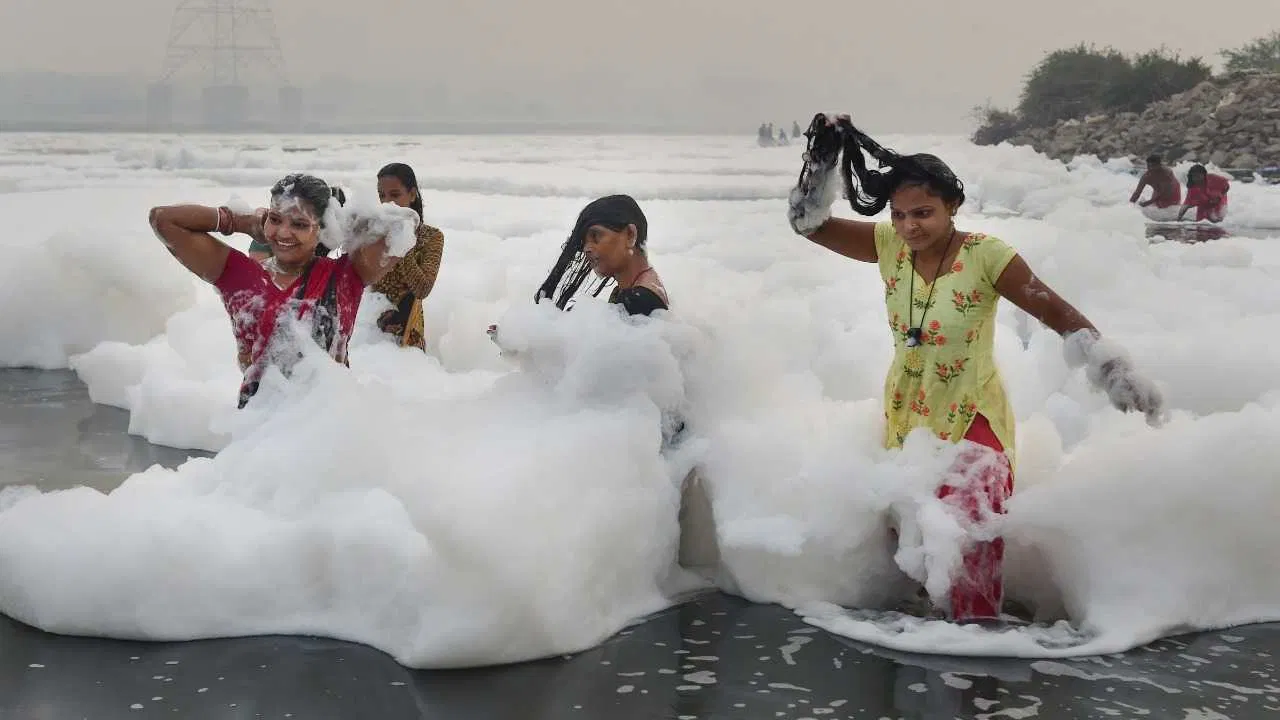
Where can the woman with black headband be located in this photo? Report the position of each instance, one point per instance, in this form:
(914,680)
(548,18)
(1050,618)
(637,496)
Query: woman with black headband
(941,286)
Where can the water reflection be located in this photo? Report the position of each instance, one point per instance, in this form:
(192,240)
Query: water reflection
(1185,233)
(53,436)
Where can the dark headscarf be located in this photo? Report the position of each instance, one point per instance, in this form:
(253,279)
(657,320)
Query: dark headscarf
(614,212)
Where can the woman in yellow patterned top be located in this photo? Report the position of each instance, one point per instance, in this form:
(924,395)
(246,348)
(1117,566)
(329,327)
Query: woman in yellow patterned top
(941,286)
(411,280)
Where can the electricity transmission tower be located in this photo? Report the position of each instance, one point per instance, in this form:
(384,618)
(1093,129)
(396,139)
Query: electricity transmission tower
(226,45)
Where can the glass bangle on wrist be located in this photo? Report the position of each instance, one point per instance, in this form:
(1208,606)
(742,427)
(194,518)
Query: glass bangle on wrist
(226,221)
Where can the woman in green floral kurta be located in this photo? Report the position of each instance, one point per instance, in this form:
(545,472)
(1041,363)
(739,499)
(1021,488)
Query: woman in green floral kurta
(941,290)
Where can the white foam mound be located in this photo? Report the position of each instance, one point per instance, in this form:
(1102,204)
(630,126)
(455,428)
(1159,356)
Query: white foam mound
(522,519)
(179,387)
(1139,535)
(65,292)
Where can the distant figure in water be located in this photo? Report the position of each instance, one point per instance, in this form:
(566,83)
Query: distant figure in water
(1207,193)
(294,282)
(409,283)
(1166,192)
(941,287)
(764,136)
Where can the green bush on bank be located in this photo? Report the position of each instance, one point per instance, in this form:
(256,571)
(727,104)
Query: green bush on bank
(1074,83)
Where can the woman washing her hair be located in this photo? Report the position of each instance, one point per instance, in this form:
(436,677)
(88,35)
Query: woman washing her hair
(941,286)
(294,282)
(412,279)
(260,249)
(609,239)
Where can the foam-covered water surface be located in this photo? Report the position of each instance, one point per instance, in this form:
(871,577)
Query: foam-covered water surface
(465,508)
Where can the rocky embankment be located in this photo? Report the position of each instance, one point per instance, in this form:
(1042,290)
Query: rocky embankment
(1231,122)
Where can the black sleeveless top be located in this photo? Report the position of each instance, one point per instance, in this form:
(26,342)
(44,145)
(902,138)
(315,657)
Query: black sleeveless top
(637,300)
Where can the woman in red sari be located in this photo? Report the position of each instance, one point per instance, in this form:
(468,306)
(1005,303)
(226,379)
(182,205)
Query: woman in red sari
(294,283)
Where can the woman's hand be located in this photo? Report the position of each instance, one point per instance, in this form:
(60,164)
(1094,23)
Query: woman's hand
(1130,392)
(1108,369)
(251,224)
(810,201)
(369,235)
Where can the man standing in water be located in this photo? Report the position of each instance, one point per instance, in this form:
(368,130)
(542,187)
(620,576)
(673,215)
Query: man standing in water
(1166,192)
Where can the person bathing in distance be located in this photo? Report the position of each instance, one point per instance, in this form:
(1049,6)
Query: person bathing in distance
(941,286)
(294,282)
(1207,193)
(1166,192)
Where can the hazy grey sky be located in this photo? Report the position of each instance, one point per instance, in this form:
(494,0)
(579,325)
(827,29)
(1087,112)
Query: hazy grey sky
(910,65)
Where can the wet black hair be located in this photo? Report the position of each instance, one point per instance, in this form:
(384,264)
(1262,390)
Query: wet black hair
(614,212)
(869,191)
(308,188)
(1197,170)
(1154,159)
(408,178)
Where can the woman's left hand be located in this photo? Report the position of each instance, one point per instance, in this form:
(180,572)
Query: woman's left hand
(1129,392)
(251,224)
(1108,369)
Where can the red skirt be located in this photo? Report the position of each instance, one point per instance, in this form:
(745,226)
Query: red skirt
(977,592)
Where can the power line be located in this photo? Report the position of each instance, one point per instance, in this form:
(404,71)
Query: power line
(228,41)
